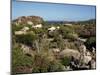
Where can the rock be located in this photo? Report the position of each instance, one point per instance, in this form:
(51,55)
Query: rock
(31,20)
(69,53)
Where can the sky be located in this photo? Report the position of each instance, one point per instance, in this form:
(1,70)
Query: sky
(51,11)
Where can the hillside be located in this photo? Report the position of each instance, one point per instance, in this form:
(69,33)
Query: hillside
(51,47)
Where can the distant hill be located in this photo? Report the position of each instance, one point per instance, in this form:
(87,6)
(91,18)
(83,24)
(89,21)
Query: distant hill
(87,22)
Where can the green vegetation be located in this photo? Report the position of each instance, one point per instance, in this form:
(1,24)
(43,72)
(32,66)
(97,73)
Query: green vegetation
(26,38)
(91,42)
(46,45)
(65,61)
(20,60)
(42,63)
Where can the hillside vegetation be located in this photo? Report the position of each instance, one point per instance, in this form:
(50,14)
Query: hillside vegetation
(40,46)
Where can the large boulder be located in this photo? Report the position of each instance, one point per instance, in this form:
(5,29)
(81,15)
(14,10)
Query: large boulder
(70,53)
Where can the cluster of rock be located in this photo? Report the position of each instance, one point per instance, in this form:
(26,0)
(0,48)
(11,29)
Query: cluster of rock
(85,61)
(30,20)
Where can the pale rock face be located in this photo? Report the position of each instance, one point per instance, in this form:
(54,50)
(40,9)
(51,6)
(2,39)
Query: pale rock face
(93,50)
(37,26)
(19,32)
(25,29)
(29,22)
(88,53)
(25,49)
(56,50)
(93,64)
(69,53)
(58,27)
(52,29)
(86,59)
(19,21)
(83,48)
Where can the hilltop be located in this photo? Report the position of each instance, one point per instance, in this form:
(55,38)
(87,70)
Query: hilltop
(31,20)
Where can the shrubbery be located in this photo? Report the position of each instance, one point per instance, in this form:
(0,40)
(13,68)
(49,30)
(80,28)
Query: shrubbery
(91,42)
(65,61)
(42,63)
(19,59)
(26,38)
(72,36)
(86,31)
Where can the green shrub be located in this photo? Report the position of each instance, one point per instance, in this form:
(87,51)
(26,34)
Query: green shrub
(65,30)
(60,42)
(26,38)
(42,63)
(72,36)
(19,59)
(65,61)
(91,42)
(71,45)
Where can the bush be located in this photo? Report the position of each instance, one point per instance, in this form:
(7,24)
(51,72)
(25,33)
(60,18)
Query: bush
(16,28)
(64,31)
(60,42)
(91,42)
(72,36)
(20,60)
(71,45)
(86,31)
(42,63)
(26,38)
(65,61)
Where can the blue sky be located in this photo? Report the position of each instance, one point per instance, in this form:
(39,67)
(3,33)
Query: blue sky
(50,11)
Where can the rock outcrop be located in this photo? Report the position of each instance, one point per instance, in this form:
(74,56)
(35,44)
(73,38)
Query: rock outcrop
(31,20)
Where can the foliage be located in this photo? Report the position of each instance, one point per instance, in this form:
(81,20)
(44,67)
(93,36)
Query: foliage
(26,38)
(65,30)
(91,42)
(86,31)
(65,61)
(43,64)
(19,59)
(60,42)
(16,28)
(72,36)
(71,45)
